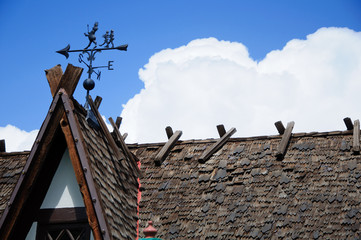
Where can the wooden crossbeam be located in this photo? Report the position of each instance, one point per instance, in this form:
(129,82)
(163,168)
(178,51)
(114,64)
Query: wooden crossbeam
(217,145)
(169,132)
(348,123)
(356,137)
(98,101)
(285,140)
(221,130)
(163,153)
(280,128)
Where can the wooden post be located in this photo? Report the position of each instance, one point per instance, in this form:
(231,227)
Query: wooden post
(348,123)
(356,137)
(216,146)
(285,139)
(53,75)
(221,130)
(2,145)
(98,101)
(118,121)
(280,128)
(163,153)
(169,132)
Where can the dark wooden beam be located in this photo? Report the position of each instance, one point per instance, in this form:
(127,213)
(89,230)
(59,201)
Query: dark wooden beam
(83,156)
(221,130)
(163,153)
(53,75)
(125,135)
(70,79)
(348,123)
(45,154)
(356,137)
(98,101)
(105,129)
(118,121)
(2,145)
(124,147)
(169,132)
(280,128)
(285,140)
(216,146)
(80,177)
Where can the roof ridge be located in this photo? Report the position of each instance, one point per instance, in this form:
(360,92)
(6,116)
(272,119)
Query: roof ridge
(264,137)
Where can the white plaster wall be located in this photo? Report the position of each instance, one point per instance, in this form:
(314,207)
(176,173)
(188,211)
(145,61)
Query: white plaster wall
(64,190)
(32,233)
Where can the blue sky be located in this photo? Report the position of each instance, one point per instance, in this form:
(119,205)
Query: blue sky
(33,30)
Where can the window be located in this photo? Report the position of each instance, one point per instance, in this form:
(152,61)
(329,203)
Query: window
(63,224)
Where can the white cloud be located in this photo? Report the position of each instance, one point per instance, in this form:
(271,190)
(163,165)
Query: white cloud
(314,82)
(16,139)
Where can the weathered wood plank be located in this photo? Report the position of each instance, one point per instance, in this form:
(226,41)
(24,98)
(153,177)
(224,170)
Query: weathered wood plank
(285,139)
(356,137)
(118,121)
(280,128)
(169,131)
(163,153)
(221,130)
(53,75)
(216,146)
(79,174)
(70,79)
(105,129)
(124,147)
(348,123)
(98,101)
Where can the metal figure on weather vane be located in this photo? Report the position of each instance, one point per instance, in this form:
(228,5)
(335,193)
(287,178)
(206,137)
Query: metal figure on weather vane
(90,57)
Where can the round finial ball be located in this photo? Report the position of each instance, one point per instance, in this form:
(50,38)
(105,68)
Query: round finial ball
(88,84)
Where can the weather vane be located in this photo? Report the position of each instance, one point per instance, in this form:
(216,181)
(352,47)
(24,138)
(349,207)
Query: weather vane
(89,83)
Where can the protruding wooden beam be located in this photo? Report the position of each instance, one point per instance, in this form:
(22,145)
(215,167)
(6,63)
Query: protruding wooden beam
(169,131)
(118,121)
(68,81)
(280,128)
(221,130)
(356,137)
(98,101)
(2,145)
(53,75)
(285,140)
(217,145)
(105,129)
(163,153)
(125,135)
(348,123)
(124,147)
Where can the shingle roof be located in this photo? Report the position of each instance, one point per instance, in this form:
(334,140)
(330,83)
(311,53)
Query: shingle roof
(116,181)
(11,165)
(244,192)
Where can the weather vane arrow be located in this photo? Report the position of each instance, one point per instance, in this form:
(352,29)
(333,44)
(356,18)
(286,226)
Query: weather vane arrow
(89,83)
(65,51)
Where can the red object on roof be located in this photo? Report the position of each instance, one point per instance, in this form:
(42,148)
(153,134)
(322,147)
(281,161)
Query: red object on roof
(150,231)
